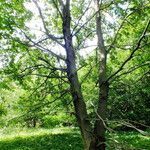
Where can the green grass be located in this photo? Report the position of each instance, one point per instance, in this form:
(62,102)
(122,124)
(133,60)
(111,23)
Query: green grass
(129,141)
(41,139)
(66,139)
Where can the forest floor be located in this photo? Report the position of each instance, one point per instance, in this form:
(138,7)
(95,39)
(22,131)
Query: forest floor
(66,139)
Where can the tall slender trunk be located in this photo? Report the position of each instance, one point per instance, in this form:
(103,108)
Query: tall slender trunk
(99,127)
(93,139)
(79,104)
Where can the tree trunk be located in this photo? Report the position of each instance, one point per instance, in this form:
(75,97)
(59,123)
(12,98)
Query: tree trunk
(93,139)
(100,127)
(78,101)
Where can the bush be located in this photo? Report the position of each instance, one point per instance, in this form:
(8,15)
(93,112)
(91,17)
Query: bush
(57,121)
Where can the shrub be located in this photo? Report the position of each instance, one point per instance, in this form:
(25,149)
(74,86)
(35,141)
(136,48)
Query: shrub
(57,120)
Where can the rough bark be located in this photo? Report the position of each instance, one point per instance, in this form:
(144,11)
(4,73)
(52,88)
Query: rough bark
(79,104)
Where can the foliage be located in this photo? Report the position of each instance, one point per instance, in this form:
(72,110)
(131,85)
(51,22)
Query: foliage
(130,101)
(58,121)
(37,81)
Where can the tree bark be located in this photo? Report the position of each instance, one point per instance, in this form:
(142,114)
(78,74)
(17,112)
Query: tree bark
(78,101)
(93,139)
(100,127)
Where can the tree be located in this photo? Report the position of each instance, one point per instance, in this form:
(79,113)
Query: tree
(71,35)
(100,126)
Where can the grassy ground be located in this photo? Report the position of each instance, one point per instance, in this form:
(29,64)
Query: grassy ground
(66,139)
(129,141)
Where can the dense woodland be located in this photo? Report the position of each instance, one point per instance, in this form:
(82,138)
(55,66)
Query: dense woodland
(81,64)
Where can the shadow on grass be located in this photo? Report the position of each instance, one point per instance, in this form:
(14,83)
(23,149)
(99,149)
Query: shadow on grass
(65,141)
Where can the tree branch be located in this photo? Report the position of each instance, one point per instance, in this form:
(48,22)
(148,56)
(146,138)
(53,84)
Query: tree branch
(52,37)
(82,26)
(132,53)
(44,75)
(120,27)
(132,69)
(42,48)
(52,67)
(56,6)
(77,23)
